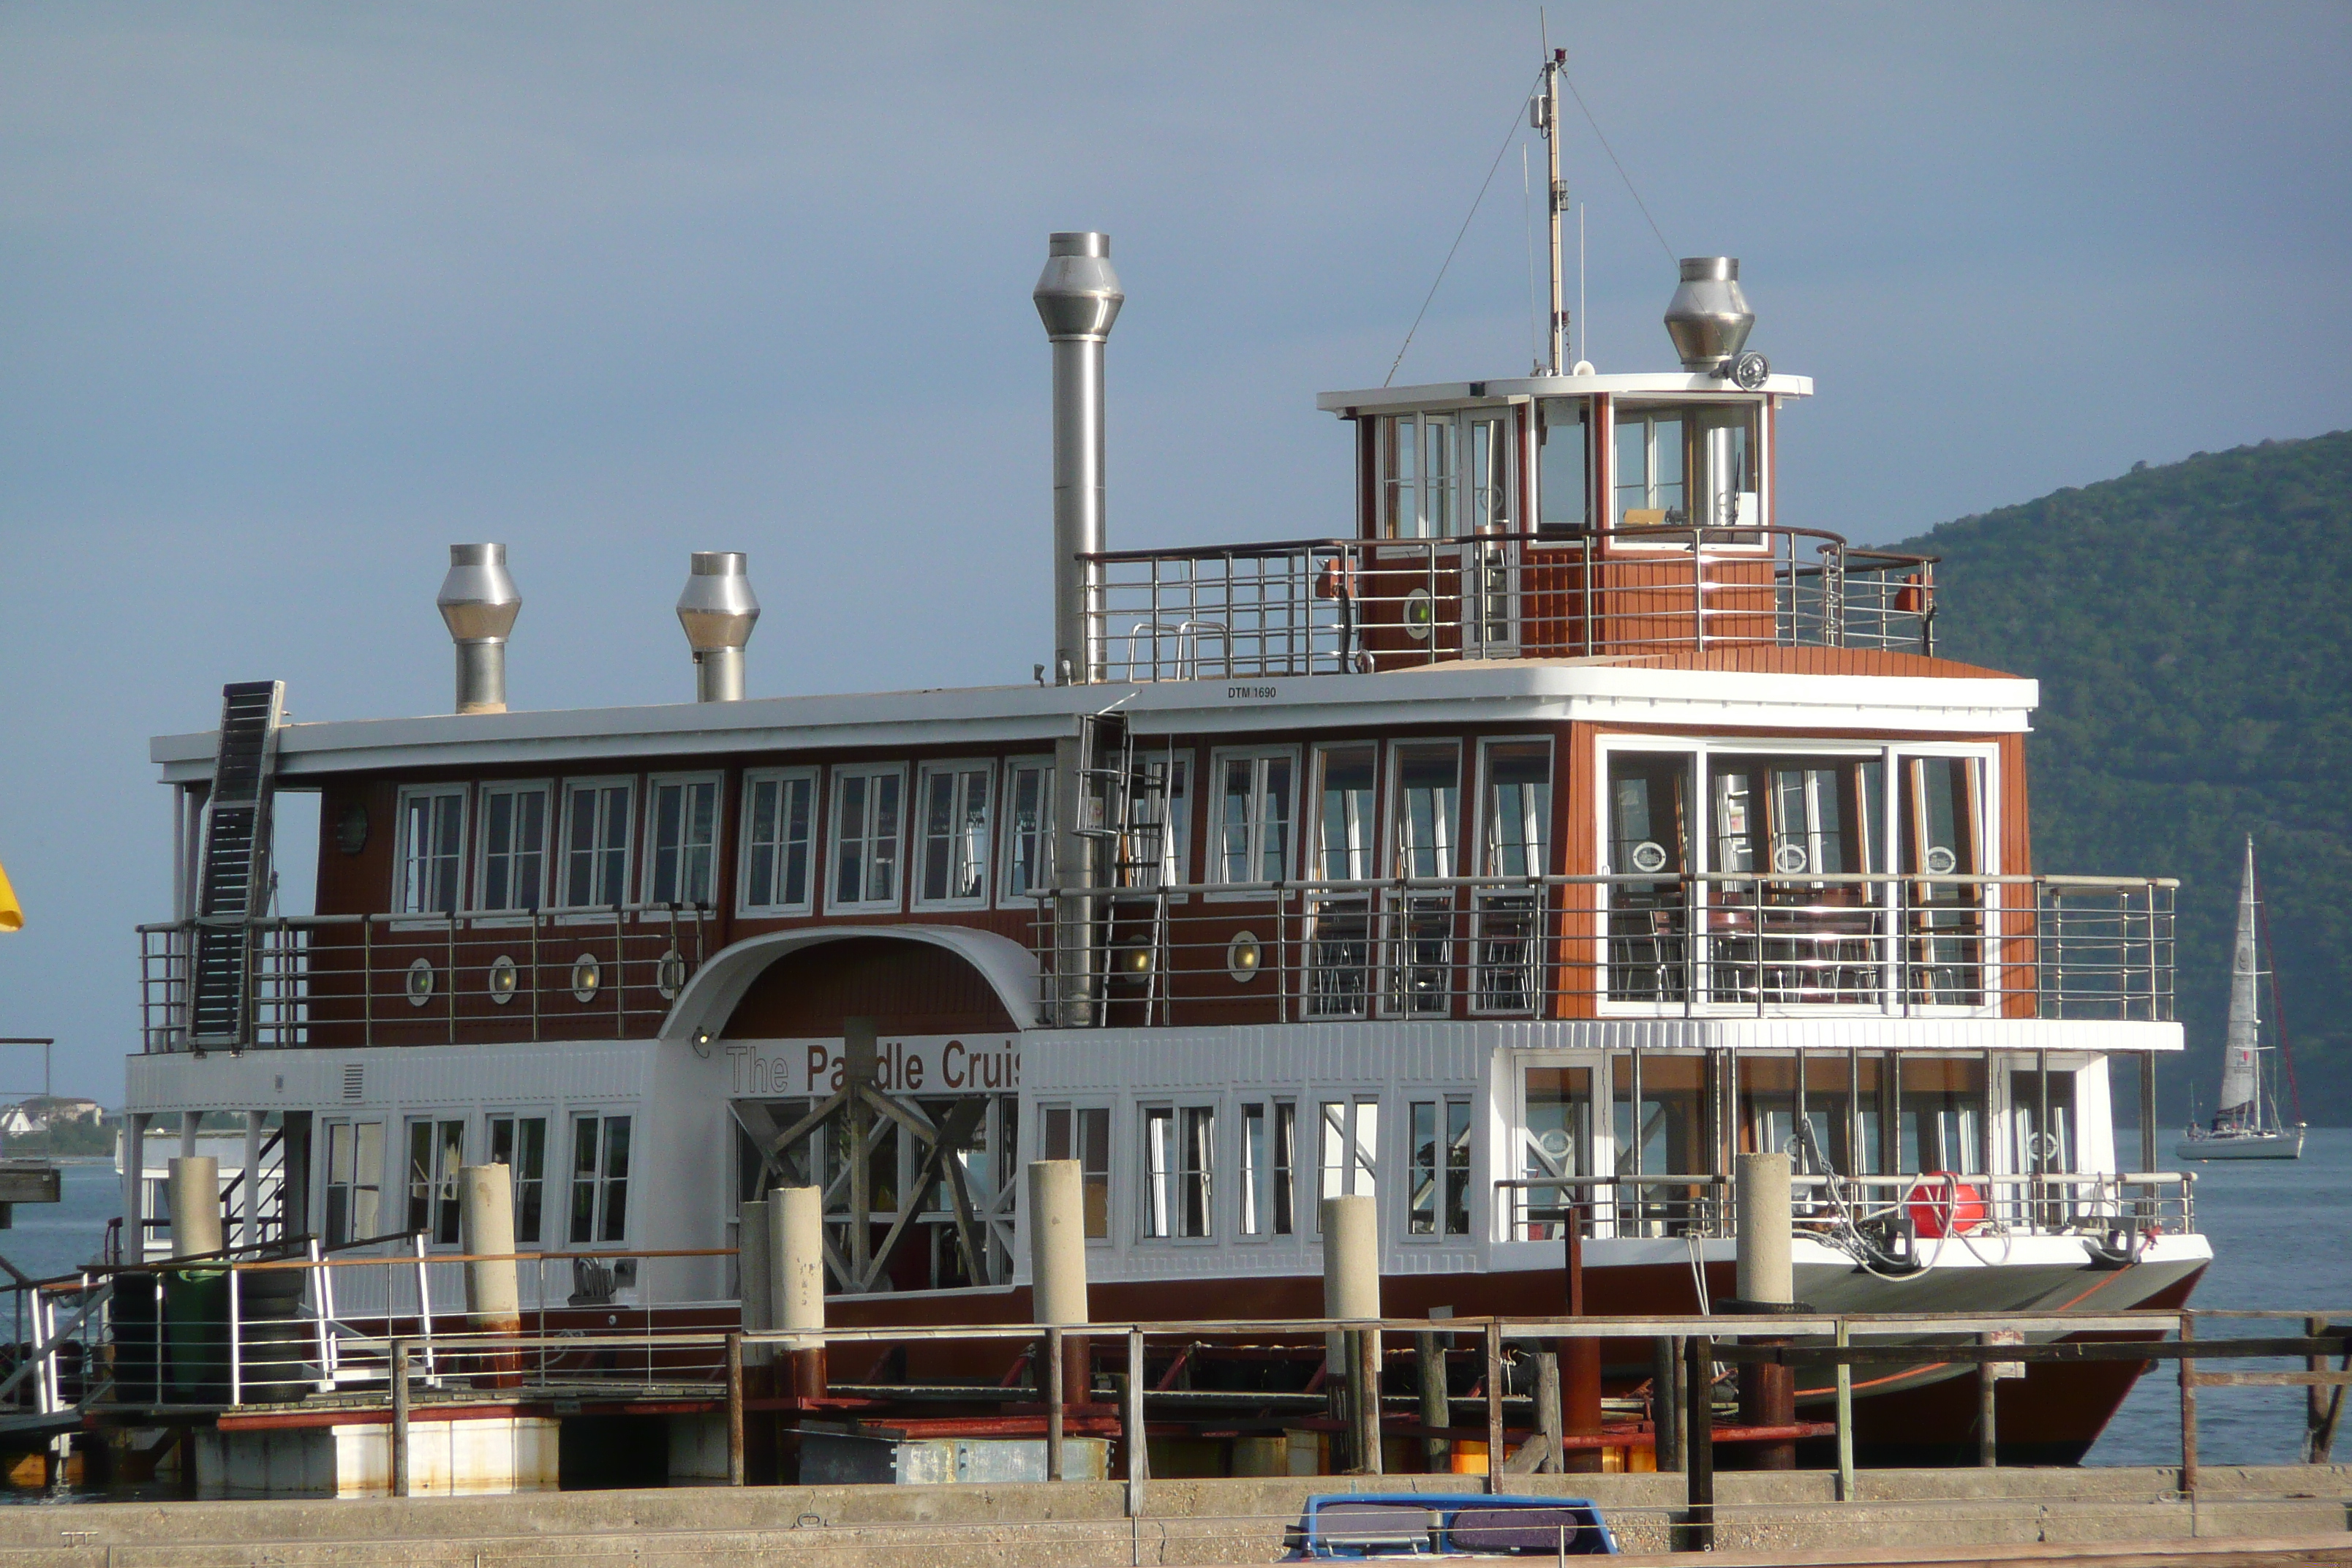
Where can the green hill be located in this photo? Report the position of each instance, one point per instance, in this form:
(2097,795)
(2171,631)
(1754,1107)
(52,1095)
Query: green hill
(2191,627)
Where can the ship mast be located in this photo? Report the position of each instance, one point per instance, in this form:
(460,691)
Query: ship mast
(1544,112)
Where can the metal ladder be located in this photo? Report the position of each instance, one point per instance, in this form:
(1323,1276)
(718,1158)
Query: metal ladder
(232,888)
(1129,824)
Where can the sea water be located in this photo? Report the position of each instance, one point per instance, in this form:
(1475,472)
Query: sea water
(2281,1229)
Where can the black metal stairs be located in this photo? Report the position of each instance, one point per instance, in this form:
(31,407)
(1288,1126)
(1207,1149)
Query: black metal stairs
(233,886)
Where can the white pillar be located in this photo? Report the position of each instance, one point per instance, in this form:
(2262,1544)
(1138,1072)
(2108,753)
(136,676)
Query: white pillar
(796,1261)
(752,1272)
(486,1234)
(1057,1242)
(189,1122)
(1766,1270)
(249,1192)
(134,1186)
(193,1182)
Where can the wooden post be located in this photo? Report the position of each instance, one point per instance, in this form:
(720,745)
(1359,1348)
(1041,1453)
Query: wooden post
(1844,1416)
(2188,1411)
(1988,1439)
(735,1410)
(399,1417)
(1493,1405)
(1578,1408)
(1131,1434)
(2315,1406)
(1666,1402)
(1547,1416)
(1050,1386)
(1436,1406)
(1366,1380)
(2322,1441)
(1698,1379)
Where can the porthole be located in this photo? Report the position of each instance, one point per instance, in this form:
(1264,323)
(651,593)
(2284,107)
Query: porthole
(420,983)
(1420,615)
(587,975)
(504,978)
(669,975)
(1242,957)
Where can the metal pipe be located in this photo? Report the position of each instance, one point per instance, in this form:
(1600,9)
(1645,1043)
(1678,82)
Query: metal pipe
(718,610)
(1079,298)
(478,601)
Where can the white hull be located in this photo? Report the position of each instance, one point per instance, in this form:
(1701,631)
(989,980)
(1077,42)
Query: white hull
(2284,1144)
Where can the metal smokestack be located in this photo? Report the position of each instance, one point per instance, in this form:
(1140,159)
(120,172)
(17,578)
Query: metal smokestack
(1708,318)
(480,602)
(718,611)
(1078,297)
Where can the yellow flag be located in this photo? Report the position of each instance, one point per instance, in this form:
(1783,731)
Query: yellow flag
(12,913)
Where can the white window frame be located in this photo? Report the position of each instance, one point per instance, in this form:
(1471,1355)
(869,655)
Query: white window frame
(1619,408)
(1445,1099)
(984,768)
(1076,1110)
(1270,1103)
(1214,851)
(783,778)
(443,1196)
(552,1122)
(1476,827)
(841,772)
(570,789)
(649,869)
(361,1179)
(517,913)
(1179,1176)
(1703,749)
(600,1180)
(402,859)
(1009,835)
(1360,1170)
(1175,867)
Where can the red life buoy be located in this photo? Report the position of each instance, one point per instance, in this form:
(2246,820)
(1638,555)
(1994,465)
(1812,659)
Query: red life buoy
(1940,1204)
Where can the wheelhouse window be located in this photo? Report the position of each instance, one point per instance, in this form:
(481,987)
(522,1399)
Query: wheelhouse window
(436,1153)
(595,842)
(955,806)
(1417,476)
(1486,471)
(1029,828)
(1253,815)
(1438,1198)
(866,834)
(432,849)
(1269,1174)
(354,1173)
(1563,467)
(600,1179)
(1687,465)
(1179,1142)
(779,831)
(514,847)
(1082,1133)
(685,861)
(520,1143)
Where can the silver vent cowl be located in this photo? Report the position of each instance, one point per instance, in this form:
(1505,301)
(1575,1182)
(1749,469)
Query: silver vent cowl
(480,602)
(1708,318)
(718,611)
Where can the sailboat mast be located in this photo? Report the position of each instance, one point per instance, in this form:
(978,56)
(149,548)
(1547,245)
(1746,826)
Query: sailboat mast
(2242,1087)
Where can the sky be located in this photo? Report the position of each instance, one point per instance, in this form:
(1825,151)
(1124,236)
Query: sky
(292,298)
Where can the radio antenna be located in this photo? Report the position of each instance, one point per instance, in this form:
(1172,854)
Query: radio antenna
(1544,115)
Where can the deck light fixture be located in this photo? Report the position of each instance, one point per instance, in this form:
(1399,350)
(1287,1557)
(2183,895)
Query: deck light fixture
(419,983)
(504,978)
(1243,956)
(587,975)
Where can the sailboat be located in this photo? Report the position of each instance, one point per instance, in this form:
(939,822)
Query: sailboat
(2247,1126)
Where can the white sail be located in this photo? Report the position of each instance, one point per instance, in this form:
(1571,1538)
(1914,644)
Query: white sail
(2241,1073)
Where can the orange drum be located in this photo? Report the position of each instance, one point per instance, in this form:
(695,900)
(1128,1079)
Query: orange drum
(1940,1204)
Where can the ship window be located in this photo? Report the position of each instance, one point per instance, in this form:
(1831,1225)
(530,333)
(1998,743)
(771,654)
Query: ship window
(436,1153)
(1417,476)
(954,808)
(1486,471)
(432,849)
(1678,467)
(1438,1200)
(1562,434)
(595,844)
(1159,824)
(599,1179)
(1650,467)
(2051,1145)
(1941,1115)
(1082,1133)
(1350,1149)
(1253,813)
(1942,836)
(865,830)
(1344,831)
(1793,818)
(1518,809)
(1555,1143)
(520,1143)
(1269,1155)
(685,842)
(514,847)
(1429,789)
(1178,1142)
(779,825)
(354,1172)
(1674,1122)
(1649,798)
(1029,829)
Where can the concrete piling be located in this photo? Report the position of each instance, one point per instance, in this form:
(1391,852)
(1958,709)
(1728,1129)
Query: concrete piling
(1351,1289)
(796,1281)
(1767,1283)
(1057,1266)
(493,1292)
(192,1183)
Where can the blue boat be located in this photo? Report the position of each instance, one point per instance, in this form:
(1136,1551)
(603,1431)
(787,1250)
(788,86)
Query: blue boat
(1452,1524)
